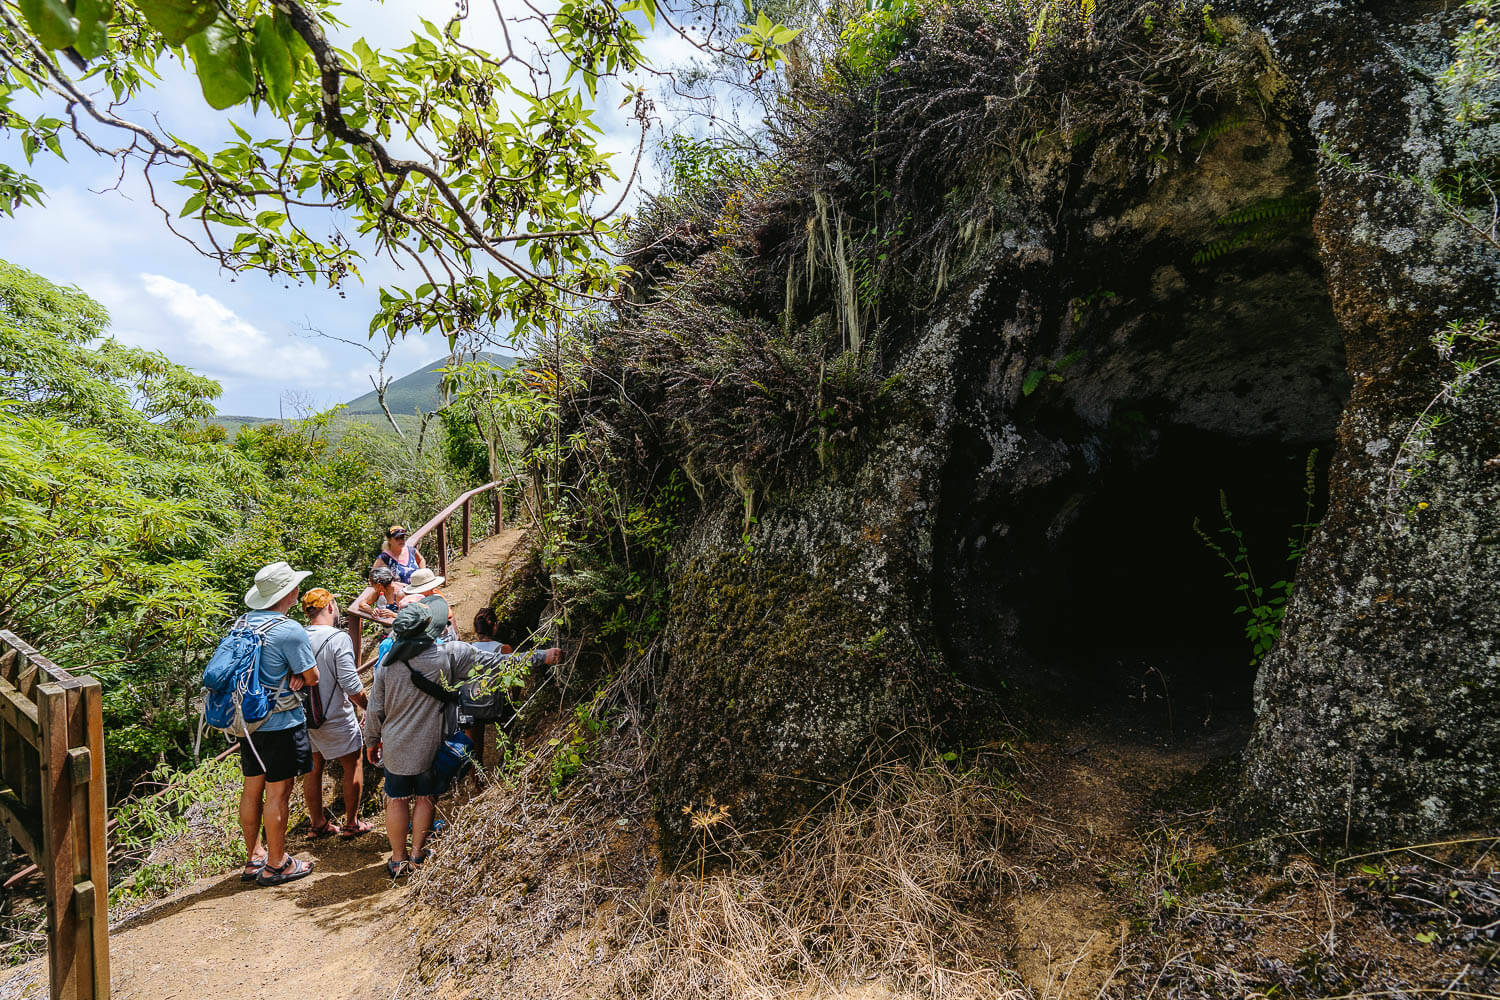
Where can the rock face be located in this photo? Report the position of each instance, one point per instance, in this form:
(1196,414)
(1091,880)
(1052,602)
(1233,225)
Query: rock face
(1124,346)
(1379,707)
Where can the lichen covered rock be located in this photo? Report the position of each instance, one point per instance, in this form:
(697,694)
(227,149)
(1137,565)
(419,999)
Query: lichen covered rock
(1378,710)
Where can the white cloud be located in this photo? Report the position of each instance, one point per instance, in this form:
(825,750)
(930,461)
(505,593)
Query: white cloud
(209,336)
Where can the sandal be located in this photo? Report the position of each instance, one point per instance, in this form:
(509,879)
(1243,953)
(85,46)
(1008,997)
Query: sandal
(289,871)
(319,832)
(395,869)
(250,870)
(350,832)
(422,860)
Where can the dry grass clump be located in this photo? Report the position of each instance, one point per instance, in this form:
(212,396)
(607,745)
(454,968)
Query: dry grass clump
(897,879)
(522,863)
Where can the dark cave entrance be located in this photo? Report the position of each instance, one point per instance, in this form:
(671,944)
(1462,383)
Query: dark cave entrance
(1070,581)
(1131,604)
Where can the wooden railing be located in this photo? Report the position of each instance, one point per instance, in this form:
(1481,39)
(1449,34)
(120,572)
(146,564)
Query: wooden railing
(438,526)
(54,806)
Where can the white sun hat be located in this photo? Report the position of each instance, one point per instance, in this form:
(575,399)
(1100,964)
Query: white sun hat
(273,583)
(424,580)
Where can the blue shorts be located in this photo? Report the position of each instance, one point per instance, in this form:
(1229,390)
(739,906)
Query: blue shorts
(404,786)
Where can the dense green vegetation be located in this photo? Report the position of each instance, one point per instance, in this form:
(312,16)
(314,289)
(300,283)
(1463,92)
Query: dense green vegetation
(133,527)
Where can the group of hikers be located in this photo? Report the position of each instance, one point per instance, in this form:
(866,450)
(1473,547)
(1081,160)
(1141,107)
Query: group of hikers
(426,684)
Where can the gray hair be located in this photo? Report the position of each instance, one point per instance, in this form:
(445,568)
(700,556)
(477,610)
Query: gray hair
(380,576)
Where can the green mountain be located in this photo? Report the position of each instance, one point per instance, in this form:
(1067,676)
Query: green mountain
(419,390)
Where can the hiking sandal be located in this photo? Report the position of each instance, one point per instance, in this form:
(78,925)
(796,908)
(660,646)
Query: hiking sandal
(250,870)
(359,828)
(395,869)
(290,871)
(319,832)
(422,859)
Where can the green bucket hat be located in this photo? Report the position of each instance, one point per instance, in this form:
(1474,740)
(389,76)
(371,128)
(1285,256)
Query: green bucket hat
(412,621)
(438,609)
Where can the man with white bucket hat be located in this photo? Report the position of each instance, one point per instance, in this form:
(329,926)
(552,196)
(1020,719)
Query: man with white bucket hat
(281,752)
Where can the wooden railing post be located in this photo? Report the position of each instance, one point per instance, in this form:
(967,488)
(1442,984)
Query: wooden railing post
(467,504)
(96,814)
(57,836)
(356,634)
(52,725)
(438,526)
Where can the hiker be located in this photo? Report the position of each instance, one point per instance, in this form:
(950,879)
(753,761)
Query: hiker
(278,751)
(482,696)
(333,726)
(381,599)
(423,582)
(401,559)
(424,587)
(409,721)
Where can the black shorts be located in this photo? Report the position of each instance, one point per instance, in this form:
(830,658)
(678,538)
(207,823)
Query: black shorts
(285,754)
(405,786)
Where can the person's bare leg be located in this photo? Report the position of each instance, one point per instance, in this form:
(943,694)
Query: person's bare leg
(278,800)
(421,823)
(250,812)
(354,786)
(312,791)
(397,815)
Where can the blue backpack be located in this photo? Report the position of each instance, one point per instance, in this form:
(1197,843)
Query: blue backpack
(234,700)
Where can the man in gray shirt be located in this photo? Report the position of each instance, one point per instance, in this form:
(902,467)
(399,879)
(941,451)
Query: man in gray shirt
(338,738)
(404,724)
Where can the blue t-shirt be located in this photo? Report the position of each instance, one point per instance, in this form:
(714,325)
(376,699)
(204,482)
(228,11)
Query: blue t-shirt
(285,650)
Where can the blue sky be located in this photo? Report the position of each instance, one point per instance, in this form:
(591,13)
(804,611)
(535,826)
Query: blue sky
(241,329)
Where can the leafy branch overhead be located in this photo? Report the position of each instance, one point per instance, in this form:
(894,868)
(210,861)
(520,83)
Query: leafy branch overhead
(476,171)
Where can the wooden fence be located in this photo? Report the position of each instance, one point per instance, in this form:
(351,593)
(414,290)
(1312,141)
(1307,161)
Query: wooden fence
(437,527)
(53,805)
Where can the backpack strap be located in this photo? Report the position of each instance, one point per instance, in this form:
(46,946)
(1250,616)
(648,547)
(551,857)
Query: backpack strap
(283,698)
(264,628)
(317,652)
(432,688)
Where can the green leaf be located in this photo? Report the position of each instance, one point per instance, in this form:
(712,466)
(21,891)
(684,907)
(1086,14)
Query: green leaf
(1033,379)
(364,53)
(52,21)
(93,27)
(223,62)
(179,20)
(296,45)
(274,60)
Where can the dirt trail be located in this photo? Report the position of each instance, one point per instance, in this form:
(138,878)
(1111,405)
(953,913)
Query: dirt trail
(1096,778)
(472,580)
(339,934)
(326,936)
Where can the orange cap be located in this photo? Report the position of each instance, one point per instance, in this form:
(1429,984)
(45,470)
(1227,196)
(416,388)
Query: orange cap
(316,600)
